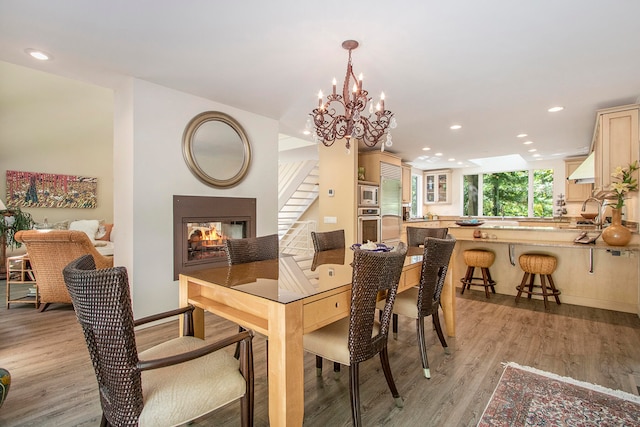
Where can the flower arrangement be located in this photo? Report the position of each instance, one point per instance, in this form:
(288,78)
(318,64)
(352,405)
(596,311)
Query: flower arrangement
(625,184)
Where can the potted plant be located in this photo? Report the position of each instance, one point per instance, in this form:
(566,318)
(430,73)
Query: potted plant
(12,220)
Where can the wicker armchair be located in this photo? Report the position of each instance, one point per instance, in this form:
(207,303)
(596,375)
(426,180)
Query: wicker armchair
(251,249)
(416,235)
(326,240)
(423,301)
(360,336)
(49,252)
(197,379)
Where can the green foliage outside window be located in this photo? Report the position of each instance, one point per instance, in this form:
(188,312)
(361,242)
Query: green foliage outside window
(507,194)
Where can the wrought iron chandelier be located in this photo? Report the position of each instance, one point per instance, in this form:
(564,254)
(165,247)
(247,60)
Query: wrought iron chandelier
(341,116)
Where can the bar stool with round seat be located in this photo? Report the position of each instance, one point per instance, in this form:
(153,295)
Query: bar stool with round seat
(542,265)
(482,259)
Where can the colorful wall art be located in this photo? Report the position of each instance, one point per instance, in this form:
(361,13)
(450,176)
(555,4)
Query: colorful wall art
(50,190)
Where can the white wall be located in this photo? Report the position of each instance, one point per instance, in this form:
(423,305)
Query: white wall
(149,169)
(56,125)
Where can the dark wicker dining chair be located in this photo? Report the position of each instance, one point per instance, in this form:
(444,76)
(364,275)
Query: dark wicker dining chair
(361,336)
(198,376)
(240,251)
(416,235)
(424,300)
(327,240)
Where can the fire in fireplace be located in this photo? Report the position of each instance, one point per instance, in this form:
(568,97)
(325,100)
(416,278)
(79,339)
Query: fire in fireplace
(201,225)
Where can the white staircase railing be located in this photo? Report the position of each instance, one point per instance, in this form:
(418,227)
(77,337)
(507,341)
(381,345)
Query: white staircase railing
(298,188)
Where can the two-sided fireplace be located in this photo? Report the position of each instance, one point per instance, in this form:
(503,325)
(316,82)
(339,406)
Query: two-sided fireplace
(201,225)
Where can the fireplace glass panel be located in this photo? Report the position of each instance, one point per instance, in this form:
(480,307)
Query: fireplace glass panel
(206,239)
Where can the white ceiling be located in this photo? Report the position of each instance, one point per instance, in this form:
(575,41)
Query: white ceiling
(493,66)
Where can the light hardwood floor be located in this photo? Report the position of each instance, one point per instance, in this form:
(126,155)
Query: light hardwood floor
(53,382)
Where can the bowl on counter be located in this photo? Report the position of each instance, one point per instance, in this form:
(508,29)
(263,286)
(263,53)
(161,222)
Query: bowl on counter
(469,222)
(589,215)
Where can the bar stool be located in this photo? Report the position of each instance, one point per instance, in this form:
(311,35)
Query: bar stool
(482,259)
(543,265)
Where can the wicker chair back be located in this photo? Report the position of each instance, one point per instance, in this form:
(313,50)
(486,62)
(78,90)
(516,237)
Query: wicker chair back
(435,263)
(240,251)
(102,303)
(416,235)
(327,240)
(373,272)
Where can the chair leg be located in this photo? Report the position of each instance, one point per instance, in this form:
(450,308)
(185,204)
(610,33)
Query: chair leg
(436,322)
(386,368)
(318,366)
(336,369)
(354,392)
(104,422)
(485,281)
(556,293)
(543,285)
(522,285)
(394,326)
(423,347)
(467,279)
(44,306)
(532,277)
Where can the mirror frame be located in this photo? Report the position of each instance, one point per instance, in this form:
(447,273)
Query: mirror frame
(187,148)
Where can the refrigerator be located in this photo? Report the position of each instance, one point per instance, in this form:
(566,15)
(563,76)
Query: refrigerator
(390,203)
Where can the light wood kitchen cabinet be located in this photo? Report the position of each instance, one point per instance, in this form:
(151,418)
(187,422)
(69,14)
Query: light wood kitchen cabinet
(370,161)
(575,192)
(406,184)
(616,142)
(436,186)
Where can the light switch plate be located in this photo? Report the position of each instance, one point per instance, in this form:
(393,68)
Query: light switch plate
(330,220)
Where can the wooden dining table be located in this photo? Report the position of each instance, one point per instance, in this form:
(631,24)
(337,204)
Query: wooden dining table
(283,299)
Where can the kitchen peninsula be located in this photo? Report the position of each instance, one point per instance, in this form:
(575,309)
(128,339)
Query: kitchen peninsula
(592,275)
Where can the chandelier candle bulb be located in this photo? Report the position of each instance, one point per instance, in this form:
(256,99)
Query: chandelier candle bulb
(334,86)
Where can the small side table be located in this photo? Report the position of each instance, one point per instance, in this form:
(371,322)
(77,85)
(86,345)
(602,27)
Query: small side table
(20,275)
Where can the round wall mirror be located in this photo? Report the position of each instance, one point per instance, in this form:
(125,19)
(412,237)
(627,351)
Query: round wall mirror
(216,149)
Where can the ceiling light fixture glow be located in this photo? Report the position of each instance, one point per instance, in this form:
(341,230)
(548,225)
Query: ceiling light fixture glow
(528,142)
(555,109)
(426,149)
(521,135)
(455,127)
(438,154)
(342,115)
(38,54)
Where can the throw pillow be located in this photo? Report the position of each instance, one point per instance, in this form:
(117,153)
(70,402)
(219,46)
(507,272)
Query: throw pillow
(104,232)
(89,226)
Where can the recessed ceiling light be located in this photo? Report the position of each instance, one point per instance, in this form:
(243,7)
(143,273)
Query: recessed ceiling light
(532,150)
(528,142)
(455,127)
(536,155)
(459,163)
(426,149)
(438,154)
(306,132)
(521,135)
(38,54)
(451,159)
(555,109)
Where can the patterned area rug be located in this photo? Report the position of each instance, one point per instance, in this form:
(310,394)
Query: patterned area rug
(529,397)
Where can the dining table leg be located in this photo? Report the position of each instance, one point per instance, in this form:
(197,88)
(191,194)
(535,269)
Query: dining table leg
(286,364)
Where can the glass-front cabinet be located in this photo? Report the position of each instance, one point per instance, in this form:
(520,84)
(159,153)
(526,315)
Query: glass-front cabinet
(437,188)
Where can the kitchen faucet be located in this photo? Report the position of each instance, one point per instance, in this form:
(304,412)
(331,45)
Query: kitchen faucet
(598,220)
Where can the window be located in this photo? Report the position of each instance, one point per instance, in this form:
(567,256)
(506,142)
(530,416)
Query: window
(518,193)
(416,196)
